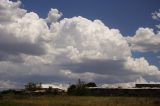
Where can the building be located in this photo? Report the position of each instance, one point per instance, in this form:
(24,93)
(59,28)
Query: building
(139,90)
(147,86)
(33,88)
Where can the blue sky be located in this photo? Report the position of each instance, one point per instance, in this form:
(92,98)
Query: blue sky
(126,15)
(106,41)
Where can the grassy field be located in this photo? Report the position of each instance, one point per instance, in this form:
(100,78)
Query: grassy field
(77,101)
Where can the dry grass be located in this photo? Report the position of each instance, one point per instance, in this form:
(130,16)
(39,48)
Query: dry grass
(78,101)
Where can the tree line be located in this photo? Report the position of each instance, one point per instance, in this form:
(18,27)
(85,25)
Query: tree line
(80,88)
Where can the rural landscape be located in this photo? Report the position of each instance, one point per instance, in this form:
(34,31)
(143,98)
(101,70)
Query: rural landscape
(81,94)
(79,52)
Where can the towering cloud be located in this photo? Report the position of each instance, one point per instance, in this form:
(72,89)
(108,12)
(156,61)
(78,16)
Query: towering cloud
(83,38)
(68,49)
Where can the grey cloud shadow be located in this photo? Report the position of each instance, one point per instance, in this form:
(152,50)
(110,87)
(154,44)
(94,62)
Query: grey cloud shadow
(110,67)
(26,48)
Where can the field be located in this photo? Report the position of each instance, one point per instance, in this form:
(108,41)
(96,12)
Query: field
(12,100)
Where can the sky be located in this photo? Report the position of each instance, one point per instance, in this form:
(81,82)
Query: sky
(126,15)
(56,42)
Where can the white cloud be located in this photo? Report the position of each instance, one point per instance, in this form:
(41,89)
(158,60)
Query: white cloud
(10,11)
(156,15)
(89,39)
(56,85)
(7,85)
(145,40)
(141,66)
(30,50)
(21,32)
(53,16)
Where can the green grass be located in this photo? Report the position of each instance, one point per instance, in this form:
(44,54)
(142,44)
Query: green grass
(77,101)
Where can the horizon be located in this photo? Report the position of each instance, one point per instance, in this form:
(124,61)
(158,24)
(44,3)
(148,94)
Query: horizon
(57,42)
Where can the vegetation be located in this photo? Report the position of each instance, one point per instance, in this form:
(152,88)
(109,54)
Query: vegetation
(16,100)
(80,89)
(32,96)
(31,86)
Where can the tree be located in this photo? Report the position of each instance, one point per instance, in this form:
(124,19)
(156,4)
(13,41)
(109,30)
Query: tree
(81,88)
(39,85)
(30,86)
(72,89)
(91,84)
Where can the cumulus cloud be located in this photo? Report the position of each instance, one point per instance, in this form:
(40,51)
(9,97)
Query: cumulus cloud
(83,38)
(10,11)
(145,40)
(21,32)
(53,15)
(68,49)
(98,66)
(120,68)
(141,66)
(156,15)
(7,85)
